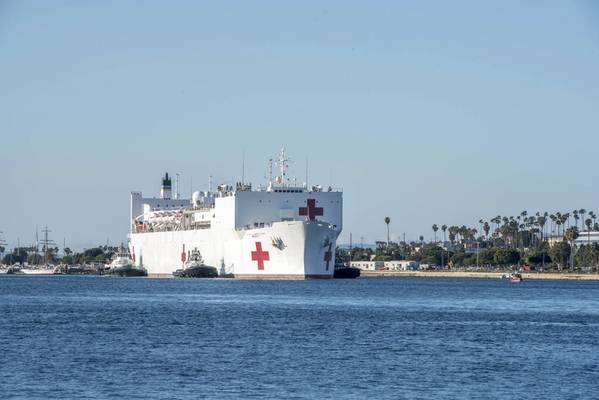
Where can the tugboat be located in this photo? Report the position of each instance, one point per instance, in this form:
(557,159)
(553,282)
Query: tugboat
(122,265)
(195,268)
(344,272)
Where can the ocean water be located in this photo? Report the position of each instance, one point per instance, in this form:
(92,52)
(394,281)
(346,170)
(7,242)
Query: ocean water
(93,337)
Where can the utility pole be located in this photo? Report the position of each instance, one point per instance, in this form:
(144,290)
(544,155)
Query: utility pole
(350,245)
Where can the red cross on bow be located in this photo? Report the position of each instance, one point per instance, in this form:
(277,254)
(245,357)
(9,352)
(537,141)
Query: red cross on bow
(311,211)
(260,255)
(328,255)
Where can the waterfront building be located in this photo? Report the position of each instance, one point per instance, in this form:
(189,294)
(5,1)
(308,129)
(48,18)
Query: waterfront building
(395,265)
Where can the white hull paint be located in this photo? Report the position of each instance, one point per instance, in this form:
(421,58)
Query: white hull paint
(302,252)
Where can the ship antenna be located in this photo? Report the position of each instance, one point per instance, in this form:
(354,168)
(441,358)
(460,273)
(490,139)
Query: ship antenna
(210,184)
(283,165)
(177,187)
(270,171)
(242,167)
(306,171)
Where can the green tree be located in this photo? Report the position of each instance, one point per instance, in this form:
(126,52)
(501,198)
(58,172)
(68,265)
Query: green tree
(34,259)
(487,256)
(67,259)
(435,229)
(560,253)
(588,256)
(506,256)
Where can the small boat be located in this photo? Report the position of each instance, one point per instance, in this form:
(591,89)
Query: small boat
(516,277)
(122,265)
(14,270)
(344,272)
(38,270)
(195,268)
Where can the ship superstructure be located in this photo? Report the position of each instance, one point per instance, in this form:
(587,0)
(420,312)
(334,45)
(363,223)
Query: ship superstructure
(281,230)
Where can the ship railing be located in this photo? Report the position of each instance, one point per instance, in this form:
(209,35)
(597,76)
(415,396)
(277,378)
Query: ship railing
(169,228)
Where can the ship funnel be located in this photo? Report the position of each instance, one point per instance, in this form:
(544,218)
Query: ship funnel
(165,189)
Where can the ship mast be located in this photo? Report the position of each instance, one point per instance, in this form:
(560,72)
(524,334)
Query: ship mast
(283,164)
(2,242)
(46,243)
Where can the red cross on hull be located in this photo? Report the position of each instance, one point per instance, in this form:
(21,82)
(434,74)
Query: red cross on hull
(260,256)
(311,211)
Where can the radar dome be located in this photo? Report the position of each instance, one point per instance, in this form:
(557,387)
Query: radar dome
(195,198)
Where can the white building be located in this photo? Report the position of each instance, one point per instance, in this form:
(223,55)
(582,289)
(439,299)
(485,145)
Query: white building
(396,265)
(368,265)
(403,265)
(586,237)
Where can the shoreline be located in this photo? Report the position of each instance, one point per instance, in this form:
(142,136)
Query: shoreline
(480,275)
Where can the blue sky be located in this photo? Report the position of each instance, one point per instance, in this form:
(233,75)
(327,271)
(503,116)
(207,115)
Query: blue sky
(426,111)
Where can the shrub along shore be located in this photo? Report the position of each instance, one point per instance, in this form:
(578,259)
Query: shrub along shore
(478,274)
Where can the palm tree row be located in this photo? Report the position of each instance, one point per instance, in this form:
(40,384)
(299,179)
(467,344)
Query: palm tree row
(523,228)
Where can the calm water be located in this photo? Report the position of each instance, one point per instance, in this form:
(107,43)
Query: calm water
(94,337)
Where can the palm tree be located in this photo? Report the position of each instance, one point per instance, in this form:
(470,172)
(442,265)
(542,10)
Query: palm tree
(387,221)
(582,213)
(486,228)
(541,221)
(435,229)
(444,229)
(571,236)
(452,234)
(576,217)
(588,222)
(558,217)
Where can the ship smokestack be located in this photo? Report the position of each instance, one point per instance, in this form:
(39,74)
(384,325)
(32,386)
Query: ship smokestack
(165,189)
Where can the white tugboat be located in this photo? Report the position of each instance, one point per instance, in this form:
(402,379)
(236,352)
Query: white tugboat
(194,267)
(280,231)
(123,265)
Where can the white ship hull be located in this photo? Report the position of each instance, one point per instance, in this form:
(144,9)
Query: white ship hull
(39,271)
(283,250)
